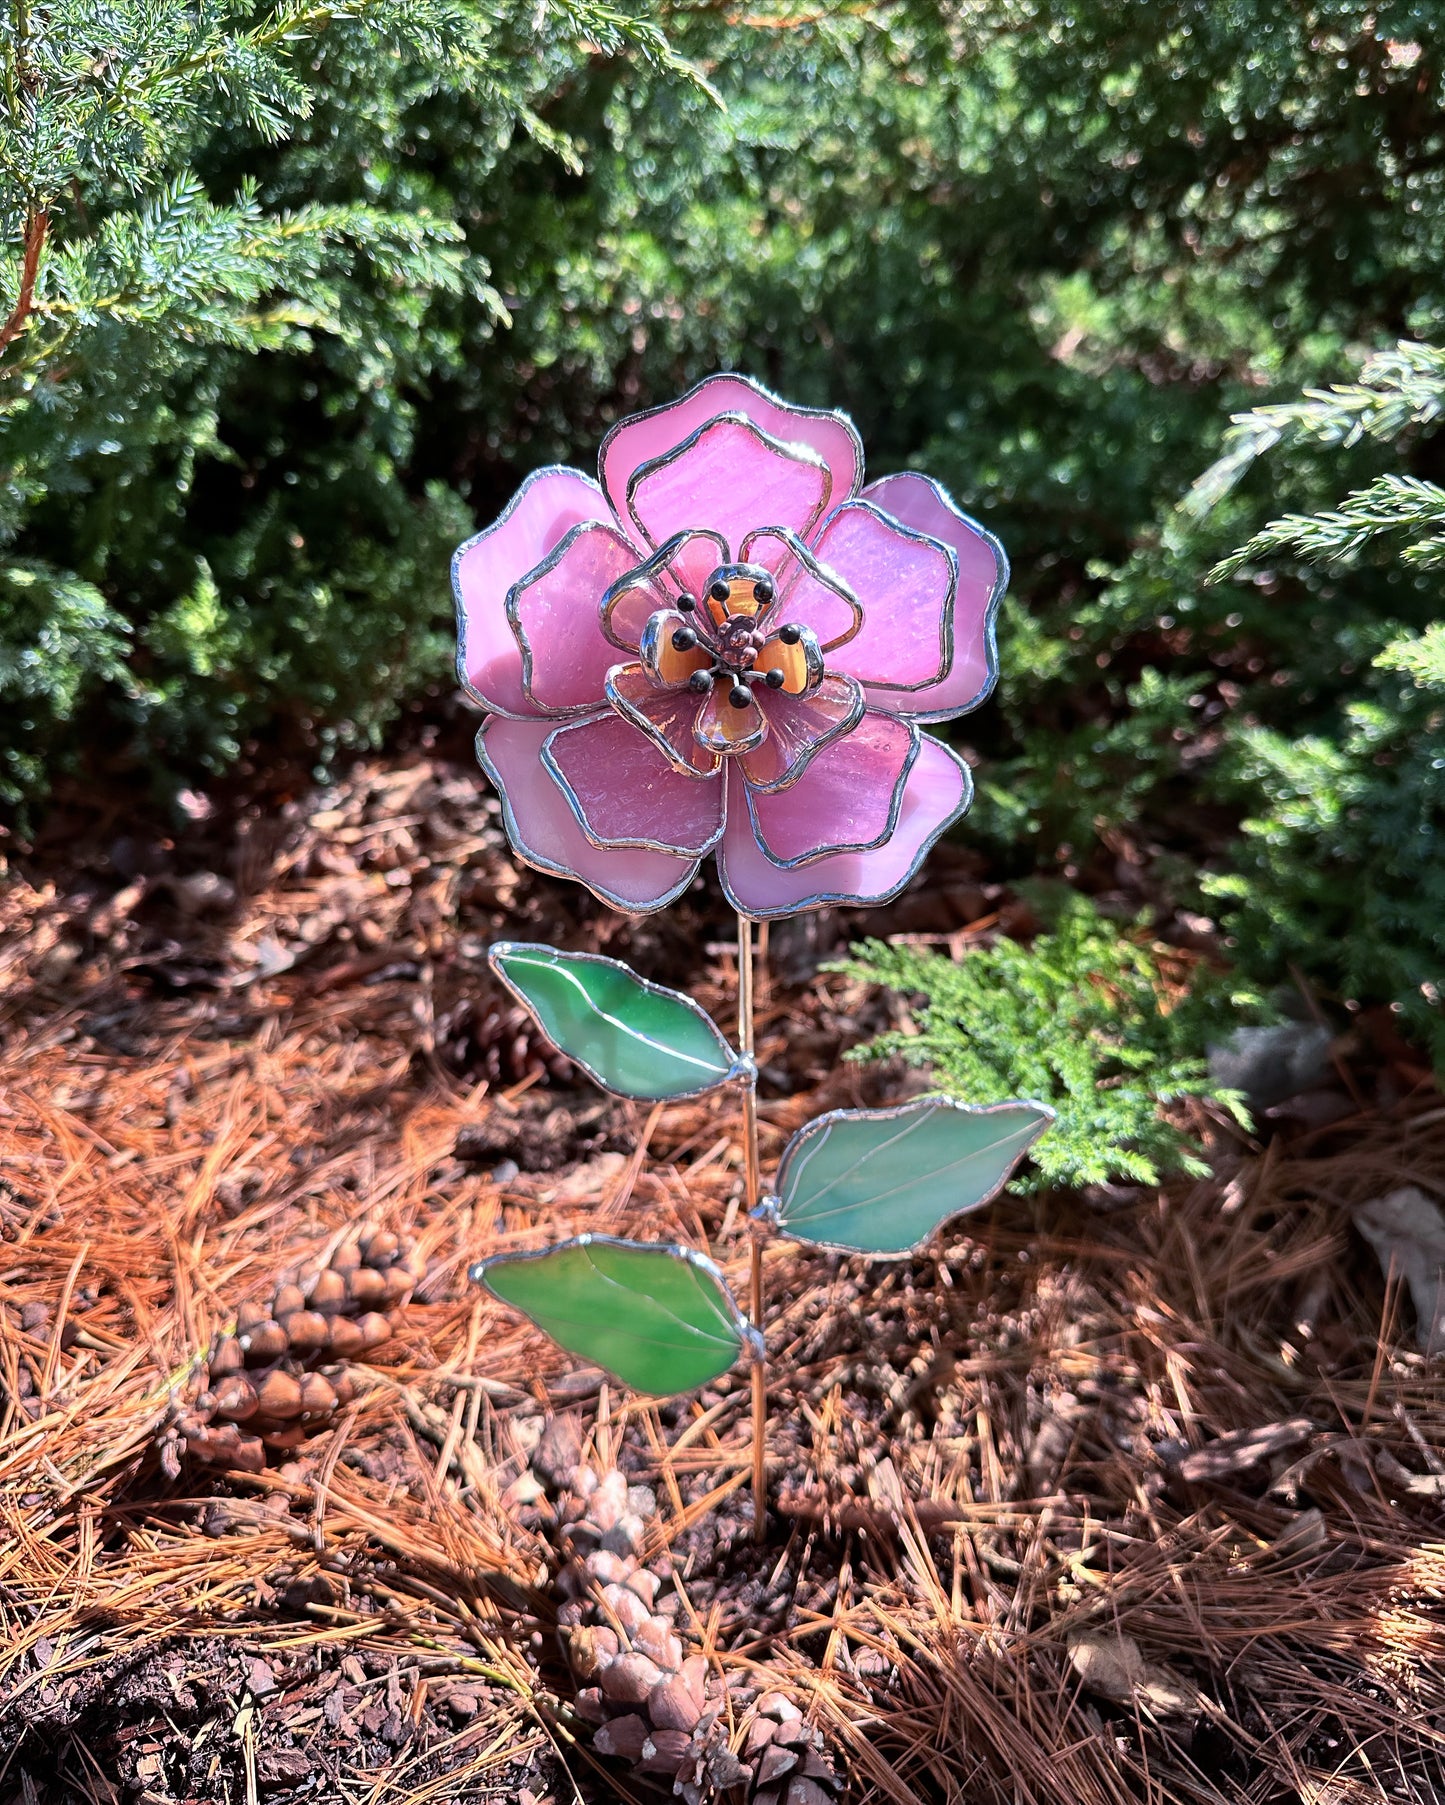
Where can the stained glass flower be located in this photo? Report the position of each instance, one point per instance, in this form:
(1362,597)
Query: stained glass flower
(728,646)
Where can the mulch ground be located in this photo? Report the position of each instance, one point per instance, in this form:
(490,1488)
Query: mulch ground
(1136,1498)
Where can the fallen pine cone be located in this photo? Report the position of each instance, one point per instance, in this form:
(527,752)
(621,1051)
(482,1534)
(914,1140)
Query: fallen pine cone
(498,1040)
(655,1704)
(279,1375)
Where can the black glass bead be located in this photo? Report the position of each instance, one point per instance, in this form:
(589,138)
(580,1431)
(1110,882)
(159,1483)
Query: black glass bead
(790,635)
(763,590)
(740,695)
(686,603)
(701,681)
(719,591)
(775,679)
(684,639)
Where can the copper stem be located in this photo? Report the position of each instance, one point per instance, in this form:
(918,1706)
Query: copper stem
(751,1189)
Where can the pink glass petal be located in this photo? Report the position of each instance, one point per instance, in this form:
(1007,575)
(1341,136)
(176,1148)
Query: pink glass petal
(807,595)
(692,560)
(628,794)
(565,658)
(728,477)
(646,436)
(906,585)
(683,564)
(917,502)
(937,792)
(628,607)
(798,726)
(666,716)
(848,798)
(546,507)
(544,831)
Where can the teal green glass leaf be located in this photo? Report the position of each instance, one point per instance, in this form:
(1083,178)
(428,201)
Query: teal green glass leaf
(659,1318)
(880,1181)
(634,1038)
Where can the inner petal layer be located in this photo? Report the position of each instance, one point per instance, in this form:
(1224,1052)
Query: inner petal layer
(798,728)
(848,799)
(666,716)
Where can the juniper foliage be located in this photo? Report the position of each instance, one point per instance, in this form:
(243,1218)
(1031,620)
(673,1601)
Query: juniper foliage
(203,434)
(1079,1019)
(1397,390)
(1342,867)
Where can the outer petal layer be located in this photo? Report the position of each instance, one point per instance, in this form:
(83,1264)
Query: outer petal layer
(625,793)
(641,438)
(918,502)
(540,515)
(937,792)
(848,800)
(545,832)
(554,613)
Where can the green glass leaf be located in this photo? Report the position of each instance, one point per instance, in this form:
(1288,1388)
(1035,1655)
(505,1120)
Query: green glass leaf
(659,1318)
(880,1181)
(634,1038)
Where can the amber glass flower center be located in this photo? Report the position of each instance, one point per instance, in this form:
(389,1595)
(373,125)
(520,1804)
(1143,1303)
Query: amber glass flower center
(735,599)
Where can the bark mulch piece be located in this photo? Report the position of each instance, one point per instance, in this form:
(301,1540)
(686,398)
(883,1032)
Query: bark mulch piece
(1092,1505)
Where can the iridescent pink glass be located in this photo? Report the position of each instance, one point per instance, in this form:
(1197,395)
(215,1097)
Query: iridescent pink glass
(727,647)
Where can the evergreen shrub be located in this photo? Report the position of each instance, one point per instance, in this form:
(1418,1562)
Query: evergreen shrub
(1081,1019)
(314,287)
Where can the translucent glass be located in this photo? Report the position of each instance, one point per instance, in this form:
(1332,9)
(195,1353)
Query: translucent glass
(880,1181)
(659,1318)
(633,1037)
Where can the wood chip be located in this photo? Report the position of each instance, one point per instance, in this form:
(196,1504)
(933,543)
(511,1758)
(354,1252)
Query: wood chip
(1114,1667)
(1244,1449)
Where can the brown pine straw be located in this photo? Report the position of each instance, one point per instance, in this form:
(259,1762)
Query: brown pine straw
(977,1452)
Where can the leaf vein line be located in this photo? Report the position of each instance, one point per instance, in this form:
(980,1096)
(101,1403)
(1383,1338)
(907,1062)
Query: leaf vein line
(864,1203)
(625,1027)
(661,1308)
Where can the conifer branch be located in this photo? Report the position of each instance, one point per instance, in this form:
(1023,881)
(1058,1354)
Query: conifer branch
(37,226)
(1397,389)
(1391,504)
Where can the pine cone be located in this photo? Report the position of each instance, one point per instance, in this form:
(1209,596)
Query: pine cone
(496,1038)
(655,1704)
(277,1377)
(789,1763)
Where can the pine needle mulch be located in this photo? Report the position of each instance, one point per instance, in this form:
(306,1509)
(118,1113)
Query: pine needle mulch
(1090,1505)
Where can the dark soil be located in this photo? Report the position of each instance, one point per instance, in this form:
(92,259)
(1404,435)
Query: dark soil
(207,1719)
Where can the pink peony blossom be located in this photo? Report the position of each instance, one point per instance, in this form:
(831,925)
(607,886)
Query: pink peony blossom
(727,647)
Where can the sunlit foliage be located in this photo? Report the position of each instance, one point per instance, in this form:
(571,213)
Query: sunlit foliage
(376,264)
